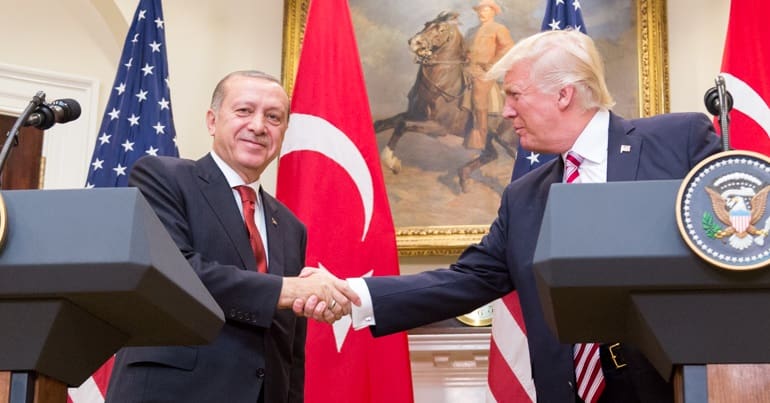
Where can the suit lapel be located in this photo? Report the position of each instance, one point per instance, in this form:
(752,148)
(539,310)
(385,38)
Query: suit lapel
(219,196)
(623,150)
(275,241)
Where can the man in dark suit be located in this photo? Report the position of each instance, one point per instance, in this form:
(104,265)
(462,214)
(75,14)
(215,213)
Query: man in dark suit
(259,355)
(558,102)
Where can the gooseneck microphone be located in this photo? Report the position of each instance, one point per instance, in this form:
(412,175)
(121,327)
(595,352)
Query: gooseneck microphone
(42,115)
(59,111)
(719,103)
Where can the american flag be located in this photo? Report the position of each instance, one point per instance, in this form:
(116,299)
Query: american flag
(559,14)
(137,121)
(510,374)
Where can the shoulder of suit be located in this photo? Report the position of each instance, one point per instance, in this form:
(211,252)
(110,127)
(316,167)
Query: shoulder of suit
(668,119)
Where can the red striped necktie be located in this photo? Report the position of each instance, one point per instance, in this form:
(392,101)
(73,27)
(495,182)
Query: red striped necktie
(249,201)
(588,367)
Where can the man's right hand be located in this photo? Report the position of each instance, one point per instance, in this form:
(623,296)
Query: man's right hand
(327,297)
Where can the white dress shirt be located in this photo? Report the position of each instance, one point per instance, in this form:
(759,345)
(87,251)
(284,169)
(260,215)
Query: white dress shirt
(233,180)
(591,144)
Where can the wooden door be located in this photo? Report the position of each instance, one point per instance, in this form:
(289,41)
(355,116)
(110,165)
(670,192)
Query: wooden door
(23,168)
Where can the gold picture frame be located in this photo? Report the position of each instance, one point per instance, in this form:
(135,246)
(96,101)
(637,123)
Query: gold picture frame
(652,99)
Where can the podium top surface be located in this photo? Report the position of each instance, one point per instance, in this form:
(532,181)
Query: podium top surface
(105,251)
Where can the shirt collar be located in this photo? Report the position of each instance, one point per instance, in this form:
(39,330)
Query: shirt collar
(232,177)
(592,142)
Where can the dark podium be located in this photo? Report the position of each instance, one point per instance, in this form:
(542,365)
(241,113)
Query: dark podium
(611,266)
(83,273)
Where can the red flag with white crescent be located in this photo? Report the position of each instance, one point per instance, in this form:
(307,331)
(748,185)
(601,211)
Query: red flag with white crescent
(746,69)
(329,175)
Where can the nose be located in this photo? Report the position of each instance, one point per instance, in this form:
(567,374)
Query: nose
(257,124)
(509,112)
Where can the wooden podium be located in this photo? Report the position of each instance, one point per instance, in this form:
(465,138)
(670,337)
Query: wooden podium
(611,267)
(82,274)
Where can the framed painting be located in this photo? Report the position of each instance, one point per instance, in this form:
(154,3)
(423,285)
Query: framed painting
(444,194)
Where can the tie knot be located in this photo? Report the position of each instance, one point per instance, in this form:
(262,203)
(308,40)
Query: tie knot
(571,164)
(247,193)
(574,158)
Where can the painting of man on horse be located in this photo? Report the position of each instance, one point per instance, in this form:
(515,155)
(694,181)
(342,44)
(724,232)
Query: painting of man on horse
(442,102)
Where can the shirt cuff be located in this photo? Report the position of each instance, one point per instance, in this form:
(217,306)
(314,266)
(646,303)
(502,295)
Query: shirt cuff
(363,316)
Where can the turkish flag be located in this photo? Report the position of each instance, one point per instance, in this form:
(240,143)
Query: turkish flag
(746,69)
(329,175)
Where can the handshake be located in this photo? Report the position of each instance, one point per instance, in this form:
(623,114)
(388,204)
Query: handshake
(318,294)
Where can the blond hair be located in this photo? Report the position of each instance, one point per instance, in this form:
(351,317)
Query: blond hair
(560,58)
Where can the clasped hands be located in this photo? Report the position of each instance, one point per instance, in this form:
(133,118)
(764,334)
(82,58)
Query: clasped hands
(318,294)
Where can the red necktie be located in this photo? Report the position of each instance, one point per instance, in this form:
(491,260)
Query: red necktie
(249,201)
(588,366)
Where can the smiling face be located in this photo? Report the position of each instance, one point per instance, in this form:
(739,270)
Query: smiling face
(249,123)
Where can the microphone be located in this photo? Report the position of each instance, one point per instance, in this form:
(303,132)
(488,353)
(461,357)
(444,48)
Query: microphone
(719,103)
(58,111)
(711,99)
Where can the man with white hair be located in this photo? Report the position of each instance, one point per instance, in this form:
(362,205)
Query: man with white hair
(557,99)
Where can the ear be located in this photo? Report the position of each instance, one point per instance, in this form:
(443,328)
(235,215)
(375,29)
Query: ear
(566,95)
(211,119)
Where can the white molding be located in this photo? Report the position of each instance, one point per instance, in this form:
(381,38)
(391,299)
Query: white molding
(449,342)
(449,368)
(67,147)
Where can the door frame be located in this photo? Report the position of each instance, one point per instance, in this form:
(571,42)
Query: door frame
(67,148)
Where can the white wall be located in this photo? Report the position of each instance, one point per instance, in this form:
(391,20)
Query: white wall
(696,37)
(205,40)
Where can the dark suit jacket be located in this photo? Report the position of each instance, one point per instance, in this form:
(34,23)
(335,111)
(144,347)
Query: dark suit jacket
(259,347)
(662,147)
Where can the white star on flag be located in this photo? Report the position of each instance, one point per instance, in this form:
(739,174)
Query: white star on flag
(533,158)
(147,69)
(142,95)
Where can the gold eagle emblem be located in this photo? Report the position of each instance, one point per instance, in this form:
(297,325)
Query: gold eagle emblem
(740,221)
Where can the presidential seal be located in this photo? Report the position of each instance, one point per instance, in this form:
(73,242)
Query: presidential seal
(722,210)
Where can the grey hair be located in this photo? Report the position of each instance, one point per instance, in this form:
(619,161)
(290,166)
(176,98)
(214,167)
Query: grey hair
(559,58)
(219,90)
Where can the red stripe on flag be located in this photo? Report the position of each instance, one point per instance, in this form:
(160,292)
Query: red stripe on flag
(503,383)
(513,304)
(510,375)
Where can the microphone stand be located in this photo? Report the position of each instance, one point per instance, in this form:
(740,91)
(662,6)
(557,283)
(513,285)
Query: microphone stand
(724,109)
(12,136)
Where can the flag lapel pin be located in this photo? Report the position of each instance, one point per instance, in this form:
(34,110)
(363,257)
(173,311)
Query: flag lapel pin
(625,148)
